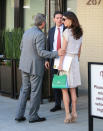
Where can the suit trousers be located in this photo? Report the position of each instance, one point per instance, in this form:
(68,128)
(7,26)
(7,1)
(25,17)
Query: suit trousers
(31,85)
(57,92)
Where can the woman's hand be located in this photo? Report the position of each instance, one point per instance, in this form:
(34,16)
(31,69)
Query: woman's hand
(60,67)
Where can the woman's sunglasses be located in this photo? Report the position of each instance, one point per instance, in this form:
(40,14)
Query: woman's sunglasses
(63,19)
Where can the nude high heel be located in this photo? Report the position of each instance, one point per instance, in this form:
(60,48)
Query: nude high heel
(74,117)
(68,118)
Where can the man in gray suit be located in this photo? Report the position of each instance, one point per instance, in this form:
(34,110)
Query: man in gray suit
(32,67)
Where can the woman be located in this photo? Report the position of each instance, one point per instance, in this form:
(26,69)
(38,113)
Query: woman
(72,40)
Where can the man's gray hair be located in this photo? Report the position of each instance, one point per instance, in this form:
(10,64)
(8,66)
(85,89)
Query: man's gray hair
(39,19)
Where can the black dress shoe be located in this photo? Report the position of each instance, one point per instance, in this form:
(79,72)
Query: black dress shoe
(56,108)
(20,119)
(40,119)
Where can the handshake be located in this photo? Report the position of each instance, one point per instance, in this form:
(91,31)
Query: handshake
(61,52)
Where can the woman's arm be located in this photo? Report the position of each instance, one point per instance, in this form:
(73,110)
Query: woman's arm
(62,57)
(79,52)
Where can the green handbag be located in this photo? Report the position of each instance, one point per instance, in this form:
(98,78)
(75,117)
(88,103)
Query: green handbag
(59,81)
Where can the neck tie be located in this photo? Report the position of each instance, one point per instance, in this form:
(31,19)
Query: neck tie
(58,39)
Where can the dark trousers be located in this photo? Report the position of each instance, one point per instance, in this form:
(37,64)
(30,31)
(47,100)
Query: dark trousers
(58,97)
(57,92)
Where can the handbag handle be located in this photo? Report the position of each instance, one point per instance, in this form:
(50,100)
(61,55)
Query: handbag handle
(58,72)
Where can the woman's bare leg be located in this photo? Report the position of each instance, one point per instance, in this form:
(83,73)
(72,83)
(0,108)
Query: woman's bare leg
(66,105)
(74,103)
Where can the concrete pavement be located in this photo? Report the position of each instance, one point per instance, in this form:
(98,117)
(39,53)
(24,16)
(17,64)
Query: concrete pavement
(54,122)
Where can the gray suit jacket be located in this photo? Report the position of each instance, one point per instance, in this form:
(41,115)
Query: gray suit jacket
(33,52)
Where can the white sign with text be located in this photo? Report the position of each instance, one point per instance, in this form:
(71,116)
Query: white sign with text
(97,90)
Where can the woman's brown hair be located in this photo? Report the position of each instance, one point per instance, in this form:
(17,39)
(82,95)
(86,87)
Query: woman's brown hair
(75,26)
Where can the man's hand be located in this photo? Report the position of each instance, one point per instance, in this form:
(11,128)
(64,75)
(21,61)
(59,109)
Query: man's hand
(47,65)
(61,52)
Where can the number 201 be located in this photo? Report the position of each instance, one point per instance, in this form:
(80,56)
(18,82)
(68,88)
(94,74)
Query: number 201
(93,2)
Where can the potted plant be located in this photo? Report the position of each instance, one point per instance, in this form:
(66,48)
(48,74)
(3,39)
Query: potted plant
(9,69)
(12,41)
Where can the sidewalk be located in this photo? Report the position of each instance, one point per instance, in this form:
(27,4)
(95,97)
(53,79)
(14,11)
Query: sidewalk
(54,121)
